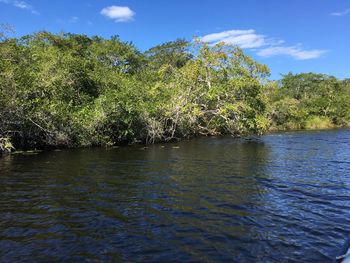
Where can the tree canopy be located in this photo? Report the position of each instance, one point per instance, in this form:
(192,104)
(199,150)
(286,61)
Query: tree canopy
(69,90)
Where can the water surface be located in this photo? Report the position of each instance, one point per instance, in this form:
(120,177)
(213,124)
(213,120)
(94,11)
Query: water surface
(277,198)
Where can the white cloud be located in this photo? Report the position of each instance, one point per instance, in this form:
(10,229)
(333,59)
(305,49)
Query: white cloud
(21,5)
(242,38)
(342,13)
(222,35)
(246,41)
(261,44)
(293,51)
(118,13)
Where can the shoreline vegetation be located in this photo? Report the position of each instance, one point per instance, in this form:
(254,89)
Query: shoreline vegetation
(68,90)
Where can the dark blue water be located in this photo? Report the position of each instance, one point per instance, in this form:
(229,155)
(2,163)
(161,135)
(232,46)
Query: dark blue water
(276,198)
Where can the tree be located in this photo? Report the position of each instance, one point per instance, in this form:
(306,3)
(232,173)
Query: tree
(174,54)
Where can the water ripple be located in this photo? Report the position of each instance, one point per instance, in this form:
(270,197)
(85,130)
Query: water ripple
(277,198)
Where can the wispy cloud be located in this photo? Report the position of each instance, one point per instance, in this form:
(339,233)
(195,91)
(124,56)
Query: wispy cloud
(21,5)
(341,13)
(118,13)
(225,34)
(261,44)
(293,51)
(243,38)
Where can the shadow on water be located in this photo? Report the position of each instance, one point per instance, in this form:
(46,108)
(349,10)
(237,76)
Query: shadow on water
(279,198)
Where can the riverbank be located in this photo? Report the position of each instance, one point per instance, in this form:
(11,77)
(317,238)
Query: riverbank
(314,123)
(70,90)
(9,149)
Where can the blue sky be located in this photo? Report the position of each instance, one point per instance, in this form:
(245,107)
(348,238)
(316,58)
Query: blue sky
(290,35)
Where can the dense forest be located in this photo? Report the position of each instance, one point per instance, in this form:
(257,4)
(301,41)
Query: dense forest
(70,90)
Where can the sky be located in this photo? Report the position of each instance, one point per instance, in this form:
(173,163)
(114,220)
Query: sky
(288,36)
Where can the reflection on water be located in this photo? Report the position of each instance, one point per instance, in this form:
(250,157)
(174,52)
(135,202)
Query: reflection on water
(277,198)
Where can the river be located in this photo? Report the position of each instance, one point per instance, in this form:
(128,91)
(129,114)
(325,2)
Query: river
(281,197)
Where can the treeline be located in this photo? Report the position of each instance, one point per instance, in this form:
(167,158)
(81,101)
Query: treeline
(309,101)
(69,90)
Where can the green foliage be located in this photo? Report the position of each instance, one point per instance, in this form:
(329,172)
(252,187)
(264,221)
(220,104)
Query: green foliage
(174,54)
(310,101)
(69,90)
(318,122)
